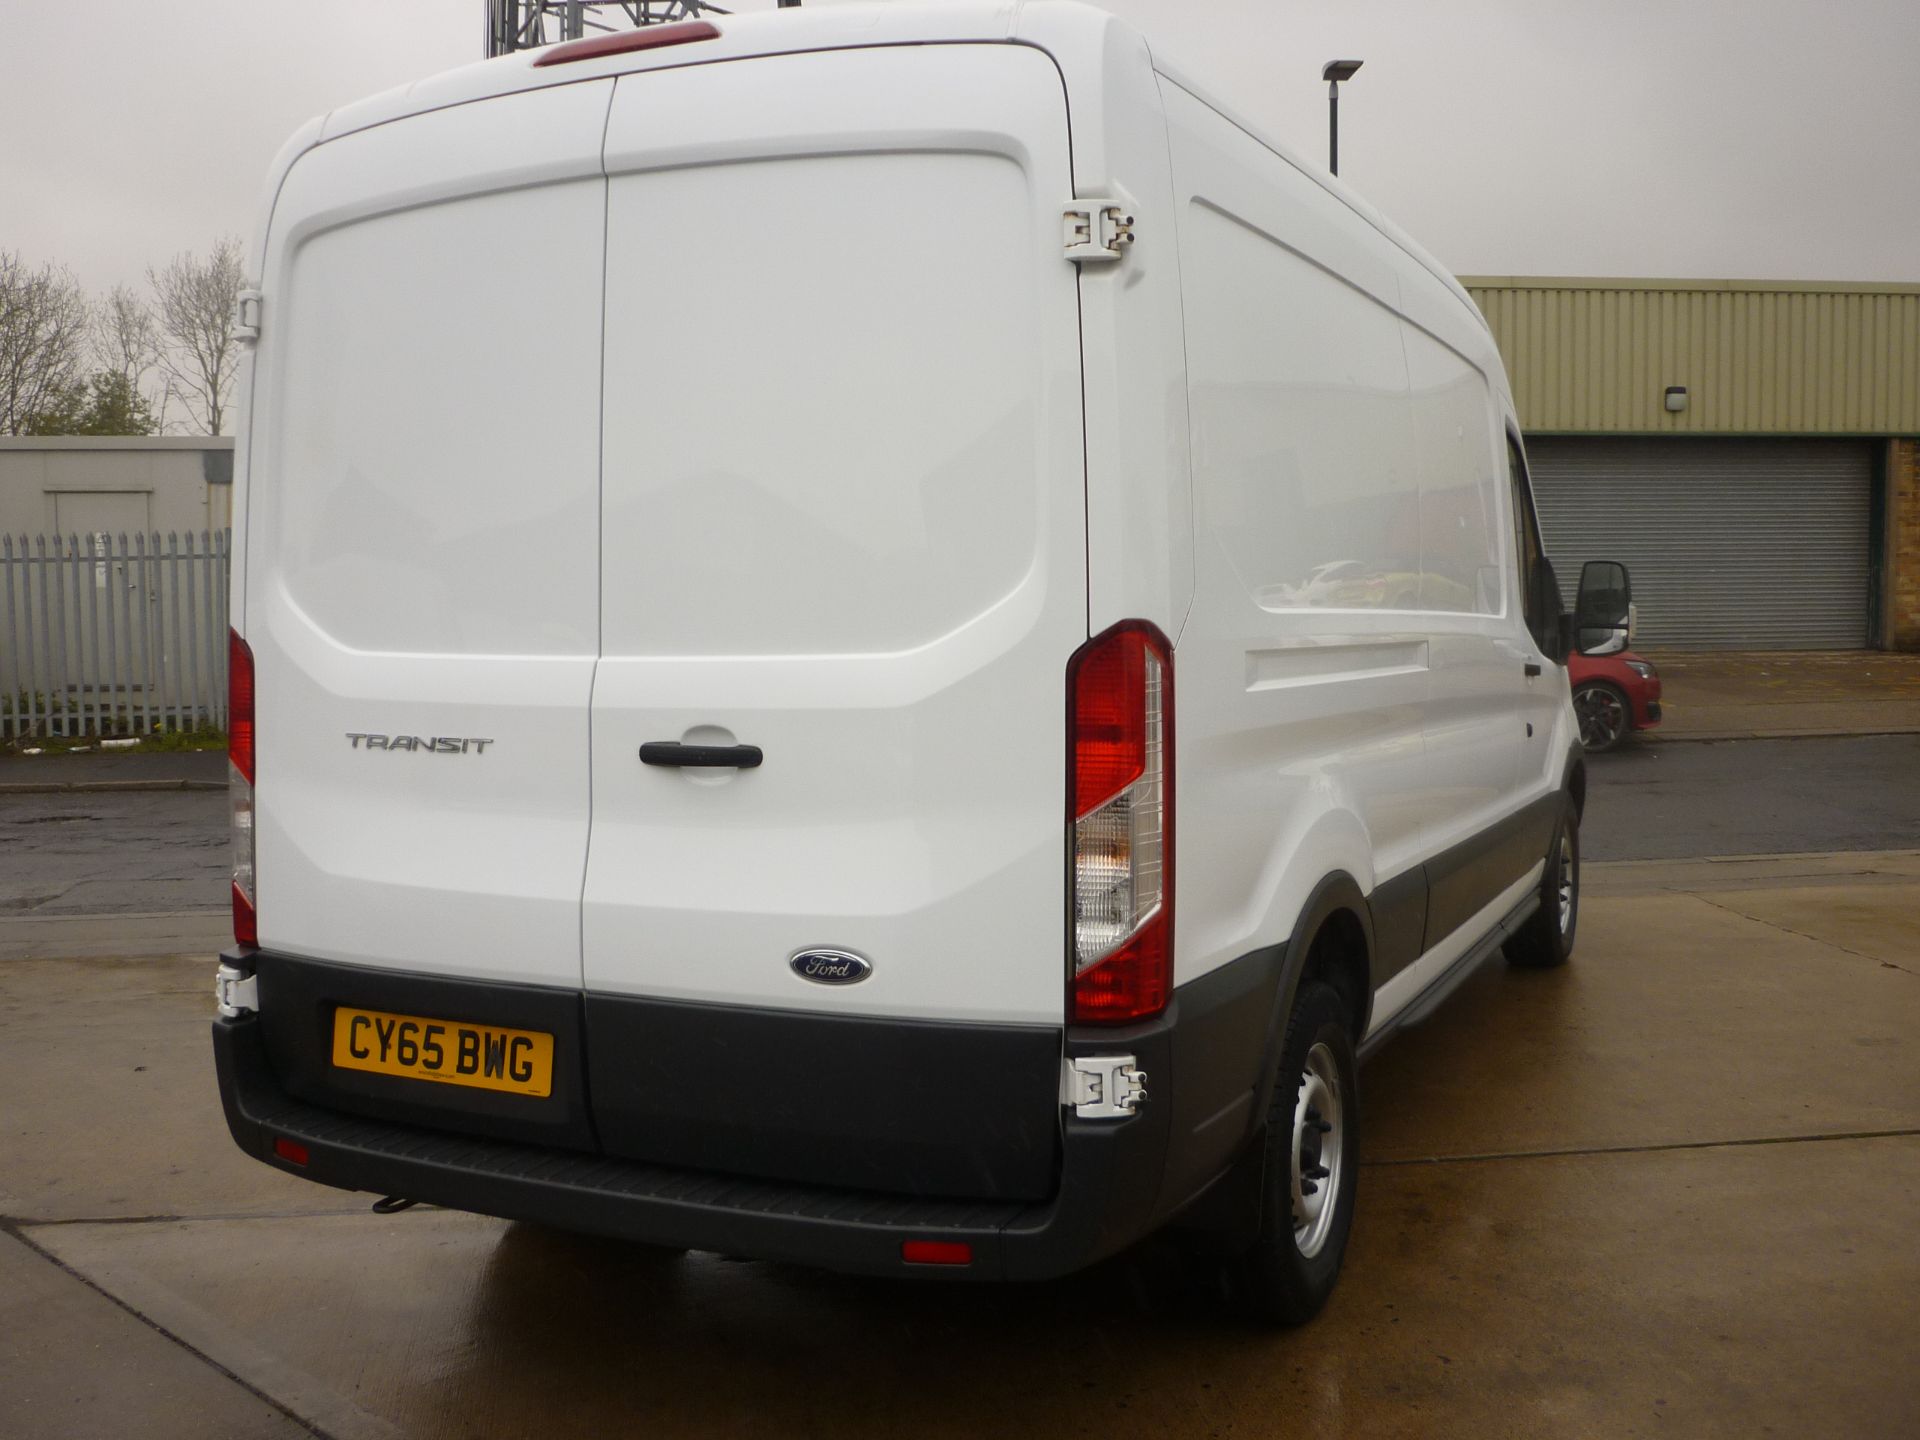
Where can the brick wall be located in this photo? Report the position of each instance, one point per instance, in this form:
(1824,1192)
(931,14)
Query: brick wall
(1903,545)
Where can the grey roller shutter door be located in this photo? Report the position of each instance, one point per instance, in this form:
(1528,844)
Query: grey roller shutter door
(1732,544)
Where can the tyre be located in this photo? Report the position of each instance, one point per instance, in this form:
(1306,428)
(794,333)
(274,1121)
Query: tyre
(1546,940)
(1310,1165)
(1605,714)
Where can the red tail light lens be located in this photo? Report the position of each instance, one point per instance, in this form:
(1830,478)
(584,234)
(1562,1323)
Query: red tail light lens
(1121,723)
(1109,719)
(1132,983)
(936,1252)
(647,37)
(291,1151)
(240,705)
(246,928)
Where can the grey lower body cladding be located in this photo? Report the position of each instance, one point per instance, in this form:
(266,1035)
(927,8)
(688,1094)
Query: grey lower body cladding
(953,1111)
(1101,1178)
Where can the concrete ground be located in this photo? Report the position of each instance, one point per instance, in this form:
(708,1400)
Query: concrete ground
(1669,1189)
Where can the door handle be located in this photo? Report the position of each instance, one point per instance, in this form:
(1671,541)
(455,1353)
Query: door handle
(1531,669)
(714,757)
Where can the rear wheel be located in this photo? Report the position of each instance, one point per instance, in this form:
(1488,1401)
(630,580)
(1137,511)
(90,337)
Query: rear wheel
(1546,939)
(1310,1165)
(1604,713)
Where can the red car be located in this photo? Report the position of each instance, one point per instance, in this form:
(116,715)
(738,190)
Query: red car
(1612,695)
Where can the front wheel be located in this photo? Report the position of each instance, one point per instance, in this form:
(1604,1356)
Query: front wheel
(1604,714)
(1311,1165)
(1546,939)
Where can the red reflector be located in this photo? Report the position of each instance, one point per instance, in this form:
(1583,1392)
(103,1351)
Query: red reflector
(246,929)
(1129,984)
(1109,717)
(240,705)
(647,37)
(936,1252)
(290,1150)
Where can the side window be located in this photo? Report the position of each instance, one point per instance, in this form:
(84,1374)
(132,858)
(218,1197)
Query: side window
(1459,468)
(1526,536)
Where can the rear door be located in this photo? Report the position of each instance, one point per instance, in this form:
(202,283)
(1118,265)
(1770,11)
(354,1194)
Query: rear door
(843,522)
(422,597)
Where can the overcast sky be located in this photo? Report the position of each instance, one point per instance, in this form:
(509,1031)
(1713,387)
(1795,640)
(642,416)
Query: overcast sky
(1716,138)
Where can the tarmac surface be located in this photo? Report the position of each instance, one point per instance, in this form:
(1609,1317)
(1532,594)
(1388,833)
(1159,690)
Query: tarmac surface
(155,854)
(1668,1189)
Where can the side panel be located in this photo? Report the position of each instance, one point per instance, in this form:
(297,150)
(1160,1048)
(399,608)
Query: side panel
(844,522)
(421,535)
(1139,495)
(1302,682)
(1479,731)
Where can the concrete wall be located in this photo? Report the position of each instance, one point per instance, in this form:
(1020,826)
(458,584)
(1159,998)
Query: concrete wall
(1901,624)
(74,484)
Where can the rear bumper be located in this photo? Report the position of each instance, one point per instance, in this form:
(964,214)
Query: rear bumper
(1108,1181)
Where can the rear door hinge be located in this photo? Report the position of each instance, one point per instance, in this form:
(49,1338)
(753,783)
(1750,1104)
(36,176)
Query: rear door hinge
(1097,230)
(1102,1087)
(235,991)
(246,315)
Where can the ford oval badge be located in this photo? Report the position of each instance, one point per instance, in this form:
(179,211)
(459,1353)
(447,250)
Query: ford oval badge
(830,967)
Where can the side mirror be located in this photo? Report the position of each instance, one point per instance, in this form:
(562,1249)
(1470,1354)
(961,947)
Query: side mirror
(1603,613)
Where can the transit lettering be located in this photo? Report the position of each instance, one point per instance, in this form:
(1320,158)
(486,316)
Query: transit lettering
(420,744)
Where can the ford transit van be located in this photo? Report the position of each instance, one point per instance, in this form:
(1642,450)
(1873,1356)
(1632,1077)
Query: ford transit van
(876,637)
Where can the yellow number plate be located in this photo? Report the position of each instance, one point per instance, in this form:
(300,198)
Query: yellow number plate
(486,1057)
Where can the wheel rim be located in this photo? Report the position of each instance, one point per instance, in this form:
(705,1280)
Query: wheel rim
(1564,881)
(1319,1152)
(1603,718)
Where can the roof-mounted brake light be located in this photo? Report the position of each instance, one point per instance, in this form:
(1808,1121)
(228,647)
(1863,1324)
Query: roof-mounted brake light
(647,37)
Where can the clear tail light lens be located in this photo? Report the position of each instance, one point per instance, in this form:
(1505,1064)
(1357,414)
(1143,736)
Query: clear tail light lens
(246,928)
(1121,687)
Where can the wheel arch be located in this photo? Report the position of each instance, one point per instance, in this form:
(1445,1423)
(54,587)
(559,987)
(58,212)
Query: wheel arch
(1332,940)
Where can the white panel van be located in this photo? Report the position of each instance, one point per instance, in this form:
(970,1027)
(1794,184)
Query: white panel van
(876,637)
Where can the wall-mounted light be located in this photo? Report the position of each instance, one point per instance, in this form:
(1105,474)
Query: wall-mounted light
(1676,399)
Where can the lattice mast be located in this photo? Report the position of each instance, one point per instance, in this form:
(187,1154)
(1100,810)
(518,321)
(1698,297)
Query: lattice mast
(525,24)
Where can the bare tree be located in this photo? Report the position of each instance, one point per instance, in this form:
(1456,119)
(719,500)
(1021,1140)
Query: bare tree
(43,324)
(126,337)
(196,296)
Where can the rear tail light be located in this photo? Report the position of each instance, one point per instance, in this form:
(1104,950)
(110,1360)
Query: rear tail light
(246,929)
(936,1252)
(1120,688)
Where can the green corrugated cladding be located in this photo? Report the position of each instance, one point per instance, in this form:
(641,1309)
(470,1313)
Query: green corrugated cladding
(1758,358)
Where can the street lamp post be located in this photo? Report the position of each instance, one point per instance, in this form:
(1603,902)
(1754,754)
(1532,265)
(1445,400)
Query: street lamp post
(1333,72)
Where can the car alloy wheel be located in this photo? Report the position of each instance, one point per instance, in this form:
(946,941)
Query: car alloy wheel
(1602,713)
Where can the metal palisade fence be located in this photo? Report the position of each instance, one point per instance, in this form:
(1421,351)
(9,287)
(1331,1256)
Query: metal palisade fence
(113,635)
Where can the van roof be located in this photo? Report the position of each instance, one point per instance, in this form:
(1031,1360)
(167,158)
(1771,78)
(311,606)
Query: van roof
(1075,35)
